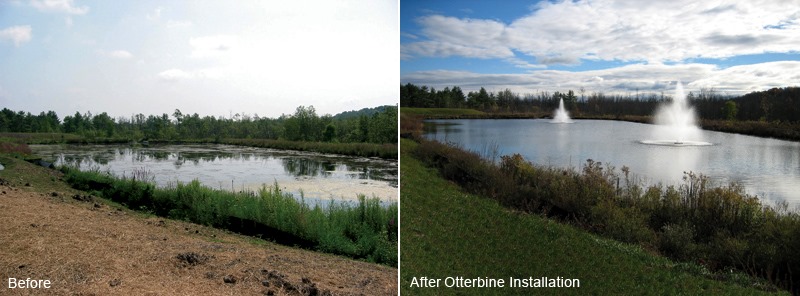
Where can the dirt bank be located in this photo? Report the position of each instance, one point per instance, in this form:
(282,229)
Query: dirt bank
(84,247)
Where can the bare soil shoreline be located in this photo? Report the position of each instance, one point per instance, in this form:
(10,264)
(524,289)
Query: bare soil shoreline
(85,247)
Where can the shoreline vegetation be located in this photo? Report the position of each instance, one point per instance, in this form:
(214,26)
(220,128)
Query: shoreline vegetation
(719,227)
(770,113)
(384,151)
(778,130)
(87,244)
(362,231)
(441,219)
(369,132)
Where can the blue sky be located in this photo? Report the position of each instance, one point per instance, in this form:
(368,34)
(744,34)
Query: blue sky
(207,57)
(733,47)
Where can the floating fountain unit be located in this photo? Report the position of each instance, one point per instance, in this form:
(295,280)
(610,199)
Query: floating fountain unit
(676,123)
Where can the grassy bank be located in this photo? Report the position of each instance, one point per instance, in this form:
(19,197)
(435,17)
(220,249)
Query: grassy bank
(779,130)
(386,151)
(447,232)
(41,138)
(441,112)
(718,226)
(363,231)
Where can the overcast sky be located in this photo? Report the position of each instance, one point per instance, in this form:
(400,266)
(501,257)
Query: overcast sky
(206,57)
(607,46)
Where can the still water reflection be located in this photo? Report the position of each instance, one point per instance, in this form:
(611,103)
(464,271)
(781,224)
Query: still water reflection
(768,168)
(237,168)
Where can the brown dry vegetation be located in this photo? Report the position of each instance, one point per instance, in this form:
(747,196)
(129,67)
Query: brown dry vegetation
(87,247)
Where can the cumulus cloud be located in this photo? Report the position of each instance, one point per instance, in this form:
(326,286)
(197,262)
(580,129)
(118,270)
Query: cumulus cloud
(645,78)
(449,36)
(565,32)
(59,6)
(16,34)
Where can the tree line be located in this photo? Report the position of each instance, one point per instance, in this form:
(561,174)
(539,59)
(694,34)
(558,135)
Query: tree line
(776,104)
(369,125)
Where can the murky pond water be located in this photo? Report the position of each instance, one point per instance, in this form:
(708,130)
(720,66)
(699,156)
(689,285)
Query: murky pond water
(318,176)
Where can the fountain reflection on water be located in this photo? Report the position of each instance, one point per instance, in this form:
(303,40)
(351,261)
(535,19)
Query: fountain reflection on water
(676,123)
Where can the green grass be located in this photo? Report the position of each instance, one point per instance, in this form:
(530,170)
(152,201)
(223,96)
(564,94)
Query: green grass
(40,138)
(22,174)
(695,221)
(362,231)
(450,233)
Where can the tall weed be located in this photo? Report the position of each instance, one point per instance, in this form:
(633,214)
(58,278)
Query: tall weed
(359,231)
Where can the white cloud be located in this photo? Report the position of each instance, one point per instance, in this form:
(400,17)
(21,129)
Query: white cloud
(646,78)
(409,35)
(16,34)
(59,6)
(449,36)
(117,54)
(213,46)
(652,31)
(175,75)
(524,64)
(264,56)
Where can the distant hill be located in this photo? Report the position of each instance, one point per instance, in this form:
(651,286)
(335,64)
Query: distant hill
(365,111)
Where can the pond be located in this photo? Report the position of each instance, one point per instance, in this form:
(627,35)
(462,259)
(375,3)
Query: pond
(768,168)
(236,168)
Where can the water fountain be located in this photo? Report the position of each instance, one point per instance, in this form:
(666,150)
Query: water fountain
(676,123)
(561,115)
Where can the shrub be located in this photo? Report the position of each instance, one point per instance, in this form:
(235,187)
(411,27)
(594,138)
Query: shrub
(677,241)
(720,225)
(623,224)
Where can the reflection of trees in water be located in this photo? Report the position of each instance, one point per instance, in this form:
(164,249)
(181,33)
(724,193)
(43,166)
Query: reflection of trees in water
(306,167)
(298,166)
(208,156)
(142,155)
(294,165)
(383,174)
(85,159)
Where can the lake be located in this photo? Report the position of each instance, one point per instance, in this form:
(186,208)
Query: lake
(235,168)
(768,168)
